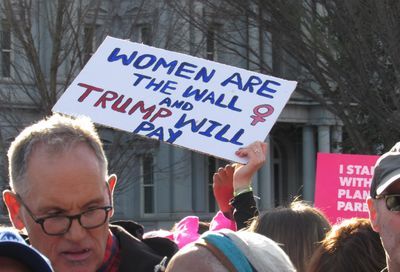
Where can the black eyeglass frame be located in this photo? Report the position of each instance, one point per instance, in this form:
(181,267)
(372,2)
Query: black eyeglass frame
(42,220)
(386,201)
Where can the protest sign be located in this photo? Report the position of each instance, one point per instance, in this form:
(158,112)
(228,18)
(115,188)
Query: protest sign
(180,99)
(342,185)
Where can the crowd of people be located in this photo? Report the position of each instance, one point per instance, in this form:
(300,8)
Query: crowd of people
(60,202)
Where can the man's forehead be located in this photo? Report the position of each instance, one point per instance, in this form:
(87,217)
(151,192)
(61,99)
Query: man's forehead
(53,153)
(77,164)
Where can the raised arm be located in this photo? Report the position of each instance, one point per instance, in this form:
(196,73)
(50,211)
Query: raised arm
(245,208)
(232,185)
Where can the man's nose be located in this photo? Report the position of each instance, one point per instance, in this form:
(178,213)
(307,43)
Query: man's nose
(76,232)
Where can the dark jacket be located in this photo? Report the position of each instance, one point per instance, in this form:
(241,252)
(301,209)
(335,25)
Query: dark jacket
(245,209)
(139,254)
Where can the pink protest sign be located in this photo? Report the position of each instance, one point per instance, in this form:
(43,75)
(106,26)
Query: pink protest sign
(342,185)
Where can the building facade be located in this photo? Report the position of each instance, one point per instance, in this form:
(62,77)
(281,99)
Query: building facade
(159,183)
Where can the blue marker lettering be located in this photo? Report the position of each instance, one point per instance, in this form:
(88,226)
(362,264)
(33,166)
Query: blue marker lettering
(154,84)
(265,88)
(173,135)
(253,80)
(231,104)
(158,132)
(138,64)
(235,138)
(125,60)
(220,134)
(144,126)
(210,97)
(162,62)
(167,101)
(183,68)
(234,79)
(196,92)
(212,126)
(203,75)
(193,125)
(139,78)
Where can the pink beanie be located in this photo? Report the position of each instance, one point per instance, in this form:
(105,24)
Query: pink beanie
(187,230)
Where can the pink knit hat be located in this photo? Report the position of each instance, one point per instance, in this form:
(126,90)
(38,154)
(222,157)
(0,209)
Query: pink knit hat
(187,230)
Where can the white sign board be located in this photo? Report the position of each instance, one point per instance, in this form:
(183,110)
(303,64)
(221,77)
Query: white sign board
(180,99)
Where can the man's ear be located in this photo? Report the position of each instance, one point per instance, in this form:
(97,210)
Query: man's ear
(14,209)
(372,214)
(111,182)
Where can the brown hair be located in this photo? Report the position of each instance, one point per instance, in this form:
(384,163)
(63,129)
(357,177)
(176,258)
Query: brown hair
(297,228)
(352,246)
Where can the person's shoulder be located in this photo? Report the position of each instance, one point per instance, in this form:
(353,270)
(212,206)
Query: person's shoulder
(145,254)
(136,249)
(133,228)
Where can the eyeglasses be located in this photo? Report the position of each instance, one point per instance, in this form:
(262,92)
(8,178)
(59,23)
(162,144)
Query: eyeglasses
(392,202)
(60,224)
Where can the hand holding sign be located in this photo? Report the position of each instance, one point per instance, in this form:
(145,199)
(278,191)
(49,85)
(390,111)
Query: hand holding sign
(256,154)
(237,177)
